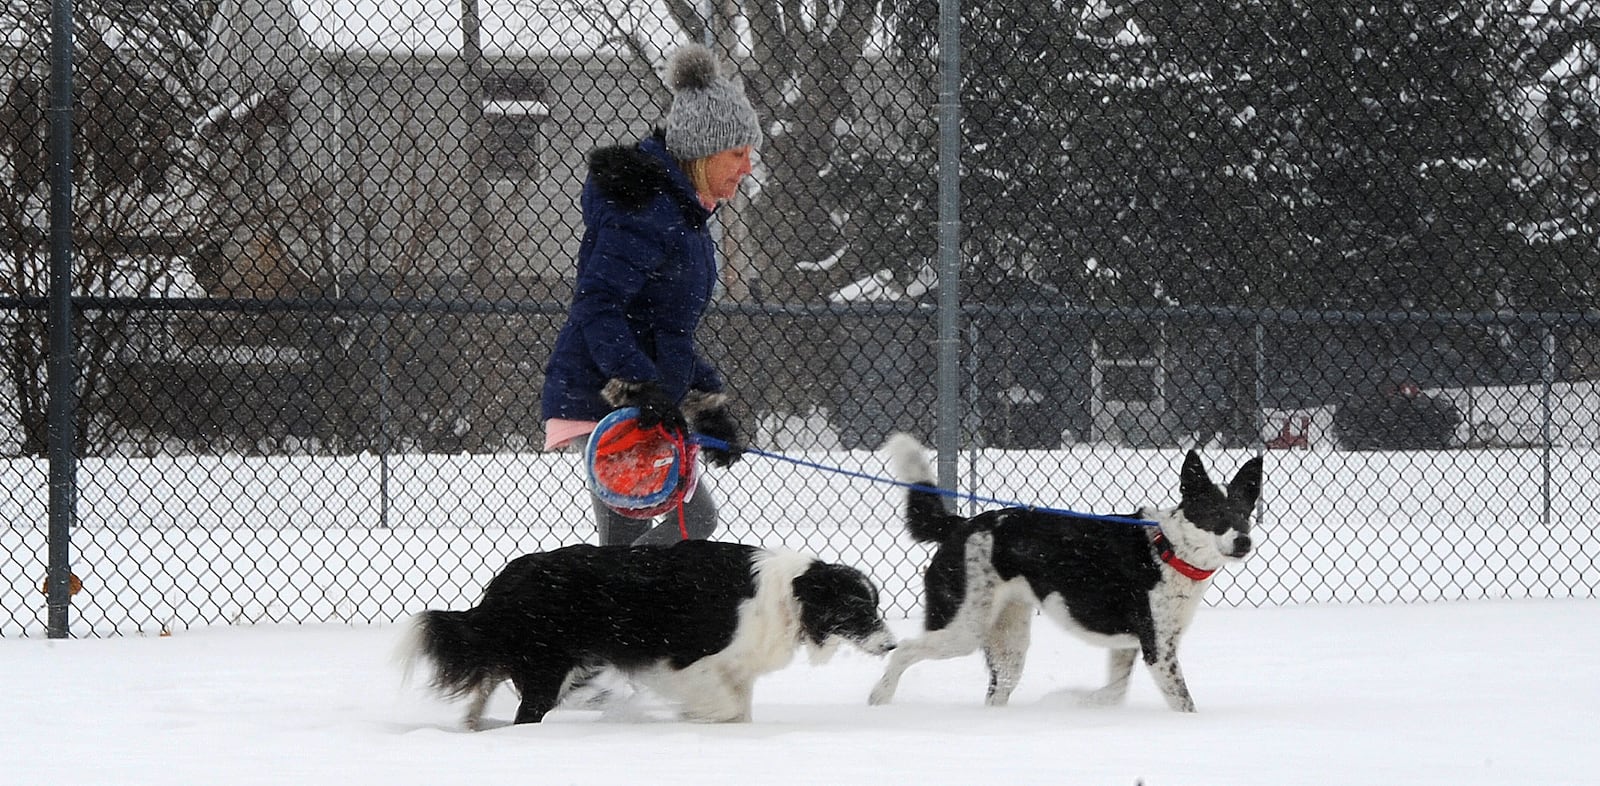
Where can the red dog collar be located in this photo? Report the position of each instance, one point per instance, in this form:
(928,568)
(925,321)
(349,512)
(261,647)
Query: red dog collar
(1161,544)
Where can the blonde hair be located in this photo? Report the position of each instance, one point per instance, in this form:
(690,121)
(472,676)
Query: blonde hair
(695,168)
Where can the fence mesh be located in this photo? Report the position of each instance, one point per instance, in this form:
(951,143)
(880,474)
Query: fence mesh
(321,251)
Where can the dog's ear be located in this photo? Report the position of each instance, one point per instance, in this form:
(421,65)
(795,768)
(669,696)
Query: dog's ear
(1246,484)
(1193,482)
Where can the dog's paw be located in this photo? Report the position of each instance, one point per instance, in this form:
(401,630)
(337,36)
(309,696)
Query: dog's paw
(1102,697)
(881,695)
(599,692)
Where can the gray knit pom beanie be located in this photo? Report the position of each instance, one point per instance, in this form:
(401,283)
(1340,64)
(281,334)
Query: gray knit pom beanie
(709,112)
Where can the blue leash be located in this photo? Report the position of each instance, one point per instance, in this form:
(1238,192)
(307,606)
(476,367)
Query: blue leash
(717,444)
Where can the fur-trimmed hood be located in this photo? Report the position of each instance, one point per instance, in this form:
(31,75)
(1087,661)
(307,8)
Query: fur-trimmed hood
(633,176)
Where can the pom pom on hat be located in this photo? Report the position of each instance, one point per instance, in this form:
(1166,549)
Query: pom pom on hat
(692,68)
(709,112)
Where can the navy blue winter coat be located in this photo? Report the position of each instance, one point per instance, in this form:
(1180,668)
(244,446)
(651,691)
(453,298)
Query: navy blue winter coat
(646,270)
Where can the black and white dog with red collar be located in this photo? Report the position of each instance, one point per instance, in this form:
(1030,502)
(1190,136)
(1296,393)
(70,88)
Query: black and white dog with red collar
(1132,589)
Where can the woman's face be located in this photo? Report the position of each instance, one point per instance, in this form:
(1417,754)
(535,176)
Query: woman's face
(725,169)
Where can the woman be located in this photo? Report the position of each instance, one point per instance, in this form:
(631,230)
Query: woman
(646,271)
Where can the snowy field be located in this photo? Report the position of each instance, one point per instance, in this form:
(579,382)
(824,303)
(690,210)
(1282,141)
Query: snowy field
(1305,669)
(1456,694)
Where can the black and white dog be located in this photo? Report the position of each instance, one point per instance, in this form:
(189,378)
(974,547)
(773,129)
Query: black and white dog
(696,622)
(1132,589)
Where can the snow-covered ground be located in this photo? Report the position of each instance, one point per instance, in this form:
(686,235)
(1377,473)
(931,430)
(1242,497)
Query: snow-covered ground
(1303,669)
(1456,694)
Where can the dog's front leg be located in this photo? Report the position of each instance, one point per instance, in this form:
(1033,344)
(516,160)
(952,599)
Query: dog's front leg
(900,660)
(1169,675)
(744,694)
(940,644)
(724,698)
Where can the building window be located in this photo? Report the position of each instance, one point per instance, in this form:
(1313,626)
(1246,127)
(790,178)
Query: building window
(514,113)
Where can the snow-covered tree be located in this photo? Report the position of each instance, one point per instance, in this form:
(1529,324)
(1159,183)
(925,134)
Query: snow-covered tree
(1554,59)
(1265,152)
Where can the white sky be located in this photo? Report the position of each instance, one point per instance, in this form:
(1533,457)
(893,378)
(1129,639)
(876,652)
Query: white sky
(1457,694)
(509,27)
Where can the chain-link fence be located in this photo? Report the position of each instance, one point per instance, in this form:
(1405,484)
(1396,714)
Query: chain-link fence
(320,251)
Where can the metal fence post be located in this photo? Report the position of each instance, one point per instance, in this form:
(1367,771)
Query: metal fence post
(972,414)
(1547,377)
(383,419)
(63,372)
(1258,414)
(948,437)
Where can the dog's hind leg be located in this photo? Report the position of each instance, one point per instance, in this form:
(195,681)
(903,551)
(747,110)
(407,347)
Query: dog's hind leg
(539,688)
(964,599)
(585,688)
(1119,667)
(1005,649)
(475,706)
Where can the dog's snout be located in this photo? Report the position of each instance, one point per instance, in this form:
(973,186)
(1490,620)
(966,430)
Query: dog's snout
(1241,545)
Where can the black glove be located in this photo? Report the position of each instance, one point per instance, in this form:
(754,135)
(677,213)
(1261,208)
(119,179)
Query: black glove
(719,424)
(655,408)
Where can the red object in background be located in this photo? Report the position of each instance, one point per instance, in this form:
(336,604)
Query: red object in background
(74,585)
(1288,438)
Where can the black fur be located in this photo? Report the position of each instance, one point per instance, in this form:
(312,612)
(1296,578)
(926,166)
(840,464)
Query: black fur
(634,179)
(553,619)
(837,601)
(627,175)
(1108,575)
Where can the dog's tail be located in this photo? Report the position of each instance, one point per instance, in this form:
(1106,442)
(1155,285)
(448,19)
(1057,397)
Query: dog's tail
(462,663)
(927,520)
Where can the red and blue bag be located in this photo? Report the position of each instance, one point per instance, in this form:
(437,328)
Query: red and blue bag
(636,471)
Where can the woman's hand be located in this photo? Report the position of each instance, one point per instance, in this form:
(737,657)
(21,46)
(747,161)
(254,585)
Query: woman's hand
(719,425)
(655,407)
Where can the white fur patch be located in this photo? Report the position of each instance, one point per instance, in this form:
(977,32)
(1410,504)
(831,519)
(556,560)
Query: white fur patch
(908,460)
(769,623)
(719,687)
(1189,543)
(408,648)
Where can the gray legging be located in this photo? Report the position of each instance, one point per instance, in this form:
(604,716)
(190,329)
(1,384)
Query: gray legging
(699,518)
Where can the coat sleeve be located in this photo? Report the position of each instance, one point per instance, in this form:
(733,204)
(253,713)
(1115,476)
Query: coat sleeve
(706,376)
(625,252)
